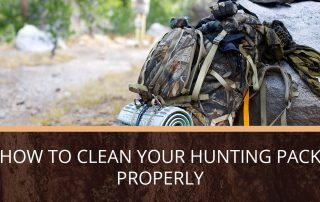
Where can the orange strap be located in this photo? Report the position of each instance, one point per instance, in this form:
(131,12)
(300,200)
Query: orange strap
(246,114)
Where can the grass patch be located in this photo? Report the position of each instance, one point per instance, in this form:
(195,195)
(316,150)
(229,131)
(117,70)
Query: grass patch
(102,99)
(19,59)
(112,88)
(51,116)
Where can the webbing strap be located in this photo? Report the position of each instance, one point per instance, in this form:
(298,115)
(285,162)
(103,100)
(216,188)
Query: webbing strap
(263,96)
(184,99)
(263,103)
(250,65)
(200,56)
(284,76)
(283,116)
(143,111)
(255,80)
(227,117)
(174,42)
(206,64)
(138,88)
(246,109)
(221,80)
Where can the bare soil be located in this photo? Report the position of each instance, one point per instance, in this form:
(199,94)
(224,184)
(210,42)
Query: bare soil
(83,85)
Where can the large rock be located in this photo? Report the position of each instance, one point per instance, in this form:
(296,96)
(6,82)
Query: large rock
(157,30)
(301,18)
(31,39)
(199,10)
(305,109)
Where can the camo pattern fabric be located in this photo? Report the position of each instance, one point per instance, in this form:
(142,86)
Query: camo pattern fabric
(168,68)
(231,66)
(221,101)
(282,32)
(306,61)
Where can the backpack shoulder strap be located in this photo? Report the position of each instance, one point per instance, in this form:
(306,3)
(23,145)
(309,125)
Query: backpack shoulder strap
(250,66)
(289,93)
(206,64)
(201,54)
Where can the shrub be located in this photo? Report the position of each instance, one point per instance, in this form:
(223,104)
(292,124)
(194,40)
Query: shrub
(52,16)
(115,16)
(162,11)
(10,19)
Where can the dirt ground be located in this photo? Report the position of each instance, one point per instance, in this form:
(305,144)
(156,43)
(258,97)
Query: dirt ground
(83,85)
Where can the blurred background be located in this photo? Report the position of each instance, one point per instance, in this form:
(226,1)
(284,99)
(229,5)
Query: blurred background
(69,62)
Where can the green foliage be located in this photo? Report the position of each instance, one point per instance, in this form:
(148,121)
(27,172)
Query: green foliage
(10,13)
(122,20)
(51,15)
(7,33)
(162,11)
(88,9)
(108,15)
(10,19)
(114,16)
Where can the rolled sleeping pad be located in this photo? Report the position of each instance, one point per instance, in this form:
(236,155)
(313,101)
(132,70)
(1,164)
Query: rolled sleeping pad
(130,115)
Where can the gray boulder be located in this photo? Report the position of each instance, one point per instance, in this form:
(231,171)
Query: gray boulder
(305,109)
(31,39)
(157,30)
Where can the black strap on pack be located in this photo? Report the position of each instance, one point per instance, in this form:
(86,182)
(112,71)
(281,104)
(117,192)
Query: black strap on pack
(240,7)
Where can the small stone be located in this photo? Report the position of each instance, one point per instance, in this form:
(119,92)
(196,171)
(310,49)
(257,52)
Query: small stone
(20,103)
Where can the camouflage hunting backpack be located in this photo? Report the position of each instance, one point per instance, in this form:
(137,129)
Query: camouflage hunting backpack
(171,67)
(209,70)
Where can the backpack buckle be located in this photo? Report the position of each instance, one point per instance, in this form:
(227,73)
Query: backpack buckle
(219,38)
(138,102)
(156,101)
(216,41)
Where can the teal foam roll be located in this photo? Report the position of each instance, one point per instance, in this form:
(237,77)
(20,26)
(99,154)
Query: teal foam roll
(155,116)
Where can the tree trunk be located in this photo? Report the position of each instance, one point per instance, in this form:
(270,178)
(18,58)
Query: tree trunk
(24,8)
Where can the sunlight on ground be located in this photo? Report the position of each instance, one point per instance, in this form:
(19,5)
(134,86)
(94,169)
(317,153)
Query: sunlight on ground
(21,59)
(100,101)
